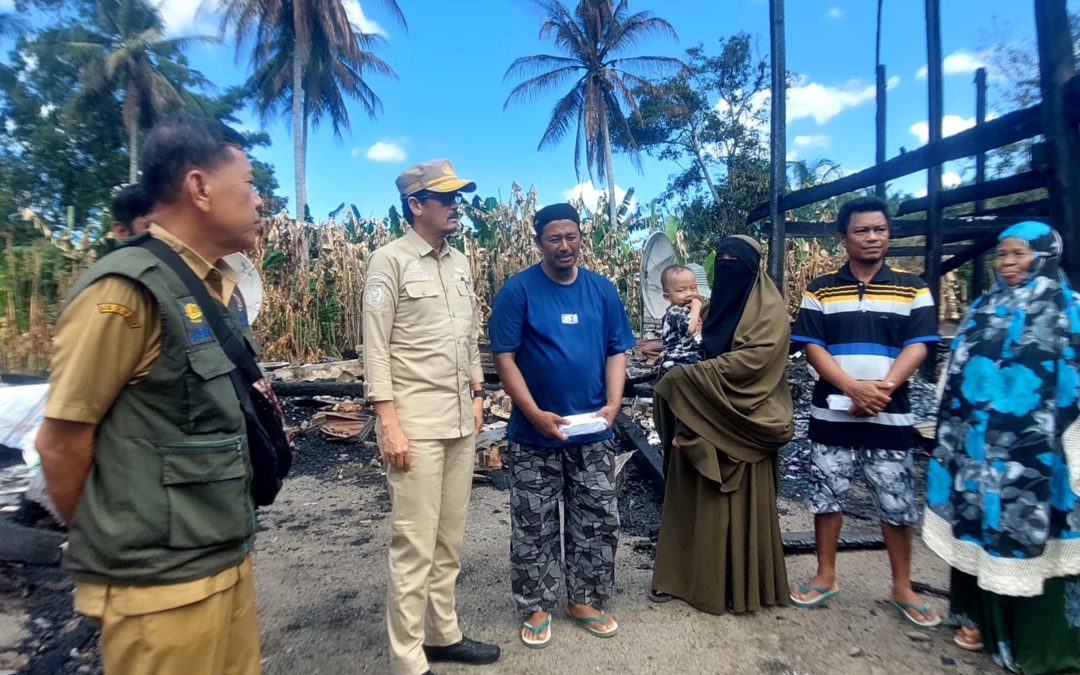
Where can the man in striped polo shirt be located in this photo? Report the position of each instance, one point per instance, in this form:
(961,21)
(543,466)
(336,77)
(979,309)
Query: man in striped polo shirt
(866,328)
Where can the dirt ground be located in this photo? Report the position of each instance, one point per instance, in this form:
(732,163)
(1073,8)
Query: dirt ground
(321,566)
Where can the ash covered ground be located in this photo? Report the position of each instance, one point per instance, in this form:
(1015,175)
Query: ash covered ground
(39,633)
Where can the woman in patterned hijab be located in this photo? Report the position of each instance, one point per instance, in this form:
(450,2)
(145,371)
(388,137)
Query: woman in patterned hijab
(1001,508)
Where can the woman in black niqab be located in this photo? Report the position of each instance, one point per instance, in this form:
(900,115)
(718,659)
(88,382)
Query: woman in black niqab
(734,273)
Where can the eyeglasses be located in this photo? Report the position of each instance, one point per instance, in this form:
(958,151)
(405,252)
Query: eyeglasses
(444,198)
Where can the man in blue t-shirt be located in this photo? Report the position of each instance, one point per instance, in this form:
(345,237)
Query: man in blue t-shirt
(559,334)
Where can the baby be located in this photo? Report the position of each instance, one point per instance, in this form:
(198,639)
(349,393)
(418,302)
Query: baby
(681,333)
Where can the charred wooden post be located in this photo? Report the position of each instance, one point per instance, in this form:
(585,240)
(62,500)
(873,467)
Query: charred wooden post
(879,122)
(978,272)
(879,118)
(935,87)
(777,142)
(1056,67)
(932,270)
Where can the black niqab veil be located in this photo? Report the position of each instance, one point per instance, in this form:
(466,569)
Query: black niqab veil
(733,279)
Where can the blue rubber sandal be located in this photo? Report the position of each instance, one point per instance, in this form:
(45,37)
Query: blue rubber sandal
(903,608)
(823,595)
(536,630)
(588,623)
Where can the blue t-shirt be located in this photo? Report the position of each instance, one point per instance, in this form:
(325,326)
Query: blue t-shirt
(561,335)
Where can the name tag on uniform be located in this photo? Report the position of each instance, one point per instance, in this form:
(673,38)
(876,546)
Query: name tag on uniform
(570,319)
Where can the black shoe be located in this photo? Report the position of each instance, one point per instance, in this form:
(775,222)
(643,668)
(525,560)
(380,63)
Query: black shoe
(660,597)
(465,651)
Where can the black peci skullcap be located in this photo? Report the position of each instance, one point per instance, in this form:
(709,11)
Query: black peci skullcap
(552,213)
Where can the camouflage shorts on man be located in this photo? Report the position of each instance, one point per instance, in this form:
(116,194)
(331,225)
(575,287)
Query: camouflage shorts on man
(890,475)
(583,476)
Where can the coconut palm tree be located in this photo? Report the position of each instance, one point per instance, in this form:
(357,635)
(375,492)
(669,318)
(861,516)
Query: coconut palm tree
(594,39)
(11,24)
(129,53)
(306,58)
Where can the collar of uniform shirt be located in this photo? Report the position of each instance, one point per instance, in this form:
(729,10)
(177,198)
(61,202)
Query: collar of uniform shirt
(422,247)
(201,267)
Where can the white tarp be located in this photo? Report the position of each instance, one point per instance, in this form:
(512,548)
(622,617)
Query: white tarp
(21,411)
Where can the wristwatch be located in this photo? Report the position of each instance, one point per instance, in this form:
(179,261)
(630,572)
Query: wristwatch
(479,393)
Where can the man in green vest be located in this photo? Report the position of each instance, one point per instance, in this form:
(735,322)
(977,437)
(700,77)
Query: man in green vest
(143,446)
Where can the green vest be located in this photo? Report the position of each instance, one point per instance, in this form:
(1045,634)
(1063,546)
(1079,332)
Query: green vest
(167,499)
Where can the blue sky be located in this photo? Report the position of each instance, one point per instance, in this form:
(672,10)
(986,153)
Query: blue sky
(448,98)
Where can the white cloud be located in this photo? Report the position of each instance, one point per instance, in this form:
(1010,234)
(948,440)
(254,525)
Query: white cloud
(7,5)
(950,179)
(920,193)
(957,63)
(383,151)
(812,99)
(589,194)
(835,12)
(360,22)
(950,124)
(190,17)
(823,102)
(792,155)
(812,141)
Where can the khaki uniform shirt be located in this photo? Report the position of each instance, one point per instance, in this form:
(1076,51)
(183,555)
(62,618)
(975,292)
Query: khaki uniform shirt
(420,336)
(107,338)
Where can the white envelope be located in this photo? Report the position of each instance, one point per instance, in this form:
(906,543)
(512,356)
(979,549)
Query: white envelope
(583,424)
(839,402)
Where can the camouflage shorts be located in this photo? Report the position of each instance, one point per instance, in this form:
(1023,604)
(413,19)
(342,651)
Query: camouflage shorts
(890,474)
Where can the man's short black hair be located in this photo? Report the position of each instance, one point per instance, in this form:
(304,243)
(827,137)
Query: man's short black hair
(178,145)
(861,205)
(669,272)
(130,203)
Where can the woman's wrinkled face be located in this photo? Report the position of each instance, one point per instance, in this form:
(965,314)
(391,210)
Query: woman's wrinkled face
(1013,260)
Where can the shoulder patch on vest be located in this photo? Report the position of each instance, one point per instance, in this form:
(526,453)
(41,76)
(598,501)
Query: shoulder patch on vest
(198,331)
(127,313)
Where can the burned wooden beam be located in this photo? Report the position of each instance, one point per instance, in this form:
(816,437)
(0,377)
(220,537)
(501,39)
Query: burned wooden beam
(647,456)
(341,389)
(980,246)
(802,542)
(979,272)
(1009,128)
(956,229)
(29,545)
(1021,182)
(879,127)
(936,111)
(777,142)
(913,251)
(1057,68)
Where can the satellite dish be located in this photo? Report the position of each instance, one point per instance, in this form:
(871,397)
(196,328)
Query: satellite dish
(657,254)
(250,283)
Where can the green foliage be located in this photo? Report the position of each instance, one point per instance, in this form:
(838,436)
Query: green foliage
(721,149)
(61,148)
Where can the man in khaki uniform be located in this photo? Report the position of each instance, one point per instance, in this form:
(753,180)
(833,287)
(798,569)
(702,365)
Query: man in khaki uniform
(143,446)
(422,371)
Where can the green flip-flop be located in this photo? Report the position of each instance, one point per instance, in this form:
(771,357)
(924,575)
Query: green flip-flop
(589,623)
(536,630)
(823,595)
(903,608)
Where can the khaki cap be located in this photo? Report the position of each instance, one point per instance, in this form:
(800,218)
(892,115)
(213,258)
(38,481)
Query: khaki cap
(436,175)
